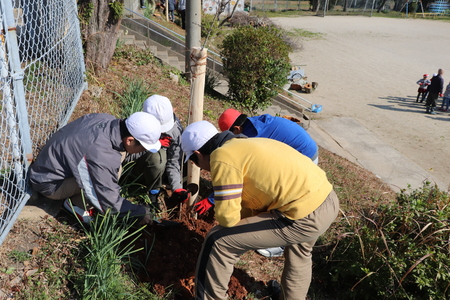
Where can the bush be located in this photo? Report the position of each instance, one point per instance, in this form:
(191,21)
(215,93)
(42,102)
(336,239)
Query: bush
(398,251)
(256,63)
(210,26)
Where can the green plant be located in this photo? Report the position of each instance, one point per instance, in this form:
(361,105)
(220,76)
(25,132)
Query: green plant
(117,8)
(138,56)
(133,96)
(85,10)
(110,242)
(305,34)
(19,256)
(396,251)
(256,61)
(210,26)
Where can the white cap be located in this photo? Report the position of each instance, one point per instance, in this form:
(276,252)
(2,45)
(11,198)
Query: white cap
(195,136)
(146,129)
(161,108)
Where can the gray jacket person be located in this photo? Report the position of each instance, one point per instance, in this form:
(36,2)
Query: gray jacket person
(85,155)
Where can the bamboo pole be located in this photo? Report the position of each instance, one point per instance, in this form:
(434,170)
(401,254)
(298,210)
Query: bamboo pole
(198,75)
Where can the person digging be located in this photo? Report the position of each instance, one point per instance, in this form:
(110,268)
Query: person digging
(267,194)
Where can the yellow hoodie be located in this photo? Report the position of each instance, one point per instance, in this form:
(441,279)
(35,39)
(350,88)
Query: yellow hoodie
(259,175)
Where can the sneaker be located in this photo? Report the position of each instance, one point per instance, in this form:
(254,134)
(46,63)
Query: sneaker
(271,252)
(432,112)
(143,7)
(274,289)
(85,216)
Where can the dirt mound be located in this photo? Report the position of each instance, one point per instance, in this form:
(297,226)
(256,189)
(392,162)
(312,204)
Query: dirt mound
(170,266)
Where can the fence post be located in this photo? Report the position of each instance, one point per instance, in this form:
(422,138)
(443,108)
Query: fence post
(17,75)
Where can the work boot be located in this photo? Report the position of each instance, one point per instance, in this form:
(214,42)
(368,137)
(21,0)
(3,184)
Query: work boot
(274,289)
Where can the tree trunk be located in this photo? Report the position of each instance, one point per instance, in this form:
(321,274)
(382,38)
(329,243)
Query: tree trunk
(345,5)
(381,6)
(314,5)
(99,22)
(398,5)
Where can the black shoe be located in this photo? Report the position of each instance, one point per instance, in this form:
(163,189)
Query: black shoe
(274,289)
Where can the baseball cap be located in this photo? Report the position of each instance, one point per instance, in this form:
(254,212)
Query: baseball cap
(195,136)
(425,75)
(145,128)
(161,108)
(227,118)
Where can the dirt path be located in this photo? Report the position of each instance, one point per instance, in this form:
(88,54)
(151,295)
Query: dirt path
(367,69)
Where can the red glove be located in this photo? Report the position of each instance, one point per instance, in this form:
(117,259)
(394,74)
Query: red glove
(166,141)
(441,95)
(204,205)
(181,195)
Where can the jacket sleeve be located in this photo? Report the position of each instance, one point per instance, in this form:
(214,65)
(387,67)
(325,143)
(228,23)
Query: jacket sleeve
(228,184)
(174,157)
(99,179)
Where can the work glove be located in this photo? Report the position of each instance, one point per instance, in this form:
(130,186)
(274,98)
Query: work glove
(204,205)
(166,141)
(181,195)
(148,217)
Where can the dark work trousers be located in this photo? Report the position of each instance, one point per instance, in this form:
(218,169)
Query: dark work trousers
(143,171)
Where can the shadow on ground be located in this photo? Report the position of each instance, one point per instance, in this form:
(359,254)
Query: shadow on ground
(409,104)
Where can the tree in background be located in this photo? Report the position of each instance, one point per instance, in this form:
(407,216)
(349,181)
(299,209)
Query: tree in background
(256,63)
(99,22)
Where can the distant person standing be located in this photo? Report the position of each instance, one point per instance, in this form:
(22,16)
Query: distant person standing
(172,4)
(423,88)
(446,100)
(182,12)
(434,91)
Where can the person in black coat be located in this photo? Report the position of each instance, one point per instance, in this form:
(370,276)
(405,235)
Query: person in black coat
(434,91)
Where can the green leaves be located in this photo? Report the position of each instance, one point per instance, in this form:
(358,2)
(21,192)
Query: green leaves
(256,63)
(399,251)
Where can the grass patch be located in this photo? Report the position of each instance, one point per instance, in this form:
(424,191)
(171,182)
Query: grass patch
(132,98)
(305,34)
(109,244)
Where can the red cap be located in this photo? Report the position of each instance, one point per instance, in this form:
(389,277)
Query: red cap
(425,75)
(227,118)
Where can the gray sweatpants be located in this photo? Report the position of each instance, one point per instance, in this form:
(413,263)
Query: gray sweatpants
(223,247)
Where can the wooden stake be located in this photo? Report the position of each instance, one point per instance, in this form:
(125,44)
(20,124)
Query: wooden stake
(198,75)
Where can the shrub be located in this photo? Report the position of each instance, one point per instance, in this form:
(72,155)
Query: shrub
(256,63)
(398,251)
(210,26)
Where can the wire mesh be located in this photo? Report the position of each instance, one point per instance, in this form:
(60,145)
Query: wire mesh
(41,80)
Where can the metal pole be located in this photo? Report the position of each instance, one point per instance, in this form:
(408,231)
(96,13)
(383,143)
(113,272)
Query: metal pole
(17,74)
(193,31)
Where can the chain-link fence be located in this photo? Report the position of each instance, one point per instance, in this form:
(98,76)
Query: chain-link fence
(355,6)
(41,80)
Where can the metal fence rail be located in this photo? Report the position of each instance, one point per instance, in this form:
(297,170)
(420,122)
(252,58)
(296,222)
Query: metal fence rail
(41,80)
